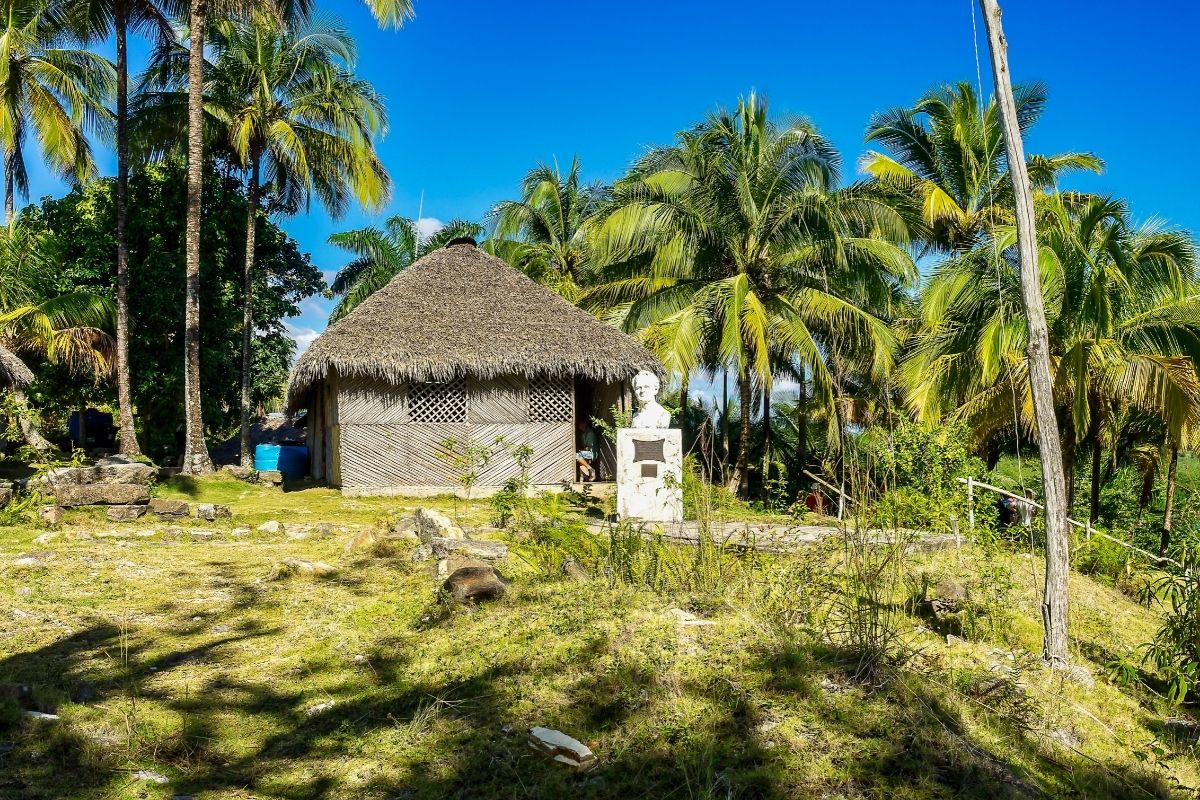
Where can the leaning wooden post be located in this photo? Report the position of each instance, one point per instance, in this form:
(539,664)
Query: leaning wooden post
(971,503)
(1054,487)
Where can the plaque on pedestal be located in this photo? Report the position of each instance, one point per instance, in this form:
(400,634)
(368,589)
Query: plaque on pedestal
(650,474)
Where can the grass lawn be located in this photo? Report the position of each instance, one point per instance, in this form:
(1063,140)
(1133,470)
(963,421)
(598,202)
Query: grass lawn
(178,658)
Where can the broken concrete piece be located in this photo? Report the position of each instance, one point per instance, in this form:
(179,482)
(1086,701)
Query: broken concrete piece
(562,748)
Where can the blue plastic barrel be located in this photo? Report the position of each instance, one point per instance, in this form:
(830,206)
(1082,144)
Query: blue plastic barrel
(289,459)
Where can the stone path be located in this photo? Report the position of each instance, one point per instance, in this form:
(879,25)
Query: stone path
(776,538)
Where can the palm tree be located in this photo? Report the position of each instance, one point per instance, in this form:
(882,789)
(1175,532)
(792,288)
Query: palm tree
(51,90)
(66,329)
(388,12)
(118,17)
(738,237)
(544,233)
(947,159)
(381,254)
(1123,306)
(301,125)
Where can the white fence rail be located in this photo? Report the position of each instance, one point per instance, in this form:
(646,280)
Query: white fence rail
(1086,527)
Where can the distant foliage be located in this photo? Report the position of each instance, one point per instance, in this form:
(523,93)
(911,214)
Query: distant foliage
(919,469)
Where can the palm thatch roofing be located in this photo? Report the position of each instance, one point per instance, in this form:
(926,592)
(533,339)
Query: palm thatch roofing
(460,311)
(13,372)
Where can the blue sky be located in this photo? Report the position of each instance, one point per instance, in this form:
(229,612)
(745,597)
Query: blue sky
(480,91)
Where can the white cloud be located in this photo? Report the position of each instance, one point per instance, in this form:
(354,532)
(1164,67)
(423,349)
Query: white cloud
(428,226)
(302,336)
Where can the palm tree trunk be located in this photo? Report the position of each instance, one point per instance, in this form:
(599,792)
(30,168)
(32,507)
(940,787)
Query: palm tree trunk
(196,460)
(1169,510)
(802,424)
(9,202)
(129,442)
(739,481)
(1097,465)
(766,410)
(685,433)
(725,451)
(248,306)
(25,424)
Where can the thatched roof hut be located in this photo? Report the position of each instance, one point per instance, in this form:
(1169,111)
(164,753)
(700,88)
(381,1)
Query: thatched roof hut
(460,340)
(13,372)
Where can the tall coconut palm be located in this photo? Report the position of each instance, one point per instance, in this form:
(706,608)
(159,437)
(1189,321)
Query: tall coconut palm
(68,329)
(544,233)
(740,233)
(302,125)
(391,13)
(946,155)
(99,19)
(50,90)
(380,254)
(1123,306)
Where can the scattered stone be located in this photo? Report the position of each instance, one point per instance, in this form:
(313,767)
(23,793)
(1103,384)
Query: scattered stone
(573,570)
(1067,738)
(562,748)
(151,777)
(51,514)
(169,508)
(213,511)
(832,686)
(1079,673)
(270,526)
(6,494)
(112,534)
(203,534)
(362,540)
(325,529)
(319,708)
(101,494)
(174,531)
(422,552)
(240,532)
(125,513)
(44,538)
(1182,729)
(404,528)
(41,715)
(952,640)
(297,531)
(116,470)
(443,548)
(475,584)
(24,591)
(688,619)
(239,472)
(300,566)
(30,560)
(434,524)
(271,477)
(448,566)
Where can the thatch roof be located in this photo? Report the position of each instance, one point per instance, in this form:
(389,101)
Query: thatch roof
(459,311)
(13,372)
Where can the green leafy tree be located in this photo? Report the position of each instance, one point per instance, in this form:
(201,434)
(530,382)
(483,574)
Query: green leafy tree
(736,246)
(380,254)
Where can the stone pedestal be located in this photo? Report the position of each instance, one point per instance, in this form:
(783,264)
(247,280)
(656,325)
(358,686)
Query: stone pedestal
(650,474)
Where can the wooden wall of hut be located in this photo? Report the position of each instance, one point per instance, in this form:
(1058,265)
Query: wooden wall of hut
(388,437)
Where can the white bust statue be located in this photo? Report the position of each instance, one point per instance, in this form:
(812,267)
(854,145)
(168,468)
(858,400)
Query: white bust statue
(649,414)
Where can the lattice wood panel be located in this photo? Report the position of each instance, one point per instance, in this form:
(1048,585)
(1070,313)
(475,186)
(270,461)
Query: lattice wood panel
(553,446)
(371,455)
(500,400)
(550,399)
(438,402)
(425,457)
(368,401)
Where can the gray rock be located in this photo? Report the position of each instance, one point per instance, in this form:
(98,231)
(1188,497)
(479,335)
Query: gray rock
(270,526)
(239,472)
(169,508)
(101,494)
(423,552)
(6,494)
(272,477)
(115,470)
(300,566)
(562,748)
(240,532)
(45,537)
(472,584)
(50,514)
(431,524)
(29,560)
(213,511)
(151,777)
(471,548)
(297,531)
(125,513)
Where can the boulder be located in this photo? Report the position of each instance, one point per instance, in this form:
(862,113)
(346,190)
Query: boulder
(238,471)
(6,494)
(472,584)
(270,526)
(213,511)
(431,524)
(562,748)
(125,513)
(471,548)
(271,477)
(115,470)
(51,514)
(169,508)
(101,494)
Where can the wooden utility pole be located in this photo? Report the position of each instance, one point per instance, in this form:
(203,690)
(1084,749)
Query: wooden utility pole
(1054,486)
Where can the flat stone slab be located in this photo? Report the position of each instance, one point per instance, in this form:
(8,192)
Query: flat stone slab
(213,511)
(472,548)
(169,508)
(115,470)
(126,513)
(101,494)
